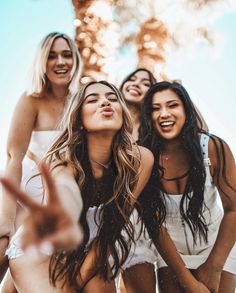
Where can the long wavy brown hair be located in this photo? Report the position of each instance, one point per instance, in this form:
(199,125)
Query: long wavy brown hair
(114,197)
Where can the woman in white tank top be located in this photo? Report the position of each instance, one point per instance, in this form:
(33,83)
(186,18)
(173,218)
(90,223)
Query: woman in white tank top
(193,173)
(54,79)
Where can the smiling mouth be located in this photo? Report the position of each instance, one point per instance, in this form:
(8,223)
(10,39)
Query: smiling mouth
(61,71)
(133,91)
(167,125)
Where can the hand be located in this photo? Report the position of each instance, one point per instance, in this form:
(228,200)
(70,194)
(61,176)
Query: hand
(209,276)
(201,288)
(47,225)
(196,287)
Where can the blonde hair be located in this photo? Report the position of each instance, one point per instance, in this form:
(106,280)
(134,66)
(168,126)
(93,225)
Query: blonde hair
(38,81)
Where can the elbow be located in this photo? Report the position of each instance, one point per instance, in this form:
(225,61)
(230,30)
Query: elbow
(14,162)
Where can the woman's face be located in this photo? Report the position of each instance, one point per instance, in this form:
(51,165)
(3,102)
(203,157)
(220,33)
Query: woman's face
(136,87)
(59,63)
(168,114)
(101,110)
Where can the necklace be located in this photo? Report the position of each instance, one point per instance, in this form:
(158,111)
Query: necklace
(106,166)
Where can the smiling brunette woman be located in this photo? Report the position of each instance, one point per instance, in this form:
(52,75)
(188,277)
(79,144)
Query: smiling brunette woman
(134,87)
(193,170)
(54,79)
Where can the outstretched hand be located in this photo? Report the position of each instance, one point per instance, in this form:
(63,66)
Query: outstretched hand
(47,225)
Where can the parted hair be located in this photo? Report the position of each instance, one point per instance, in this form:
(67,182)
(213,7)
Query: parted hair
(113,197)
(192,202)
(38,82)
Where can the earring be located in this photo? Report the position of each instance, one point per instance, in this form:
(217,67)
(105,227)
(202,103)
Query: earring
(81,127)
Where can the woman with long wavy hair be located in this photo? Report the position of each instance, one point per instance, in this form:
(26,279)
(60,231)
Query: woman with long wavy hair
(93,161)
(54,79)
(192,171)
(97,174)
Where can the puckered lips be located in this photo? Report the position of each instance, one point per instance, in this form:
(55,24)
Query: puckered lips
(107,111)
(167,125)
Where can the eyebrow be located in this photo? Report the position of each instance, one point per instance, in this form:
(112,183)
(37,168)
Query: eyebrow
(51,51)
(97,94)
(168,102)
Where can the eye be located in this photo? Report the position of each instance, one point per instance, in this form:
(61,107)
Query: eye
(91,100)
(67,54)
(174,105)
(155,108)
(147,84)
(51,56)
(112,98)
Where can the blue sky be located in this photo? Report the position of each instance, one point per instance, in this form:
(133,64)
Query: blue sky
(24,23)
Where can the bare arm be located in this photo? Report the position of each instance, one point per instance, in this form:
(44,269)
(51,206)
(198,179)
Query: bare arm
(166,246)
(55,222)
(18,140)
(210,271)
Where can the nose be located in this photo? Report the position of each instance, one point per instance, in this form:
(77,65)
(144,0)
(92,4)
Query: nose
(136,83)
(164,113)
(60,60)
(105,102)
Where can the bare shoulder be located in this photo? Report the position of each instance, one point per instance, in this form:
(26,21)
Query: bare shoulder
(220,152)
(146,165)
(27,102)
(146,156)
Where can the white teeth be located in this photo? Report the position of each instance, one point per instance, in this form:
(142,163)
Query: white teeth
(61,71)
(167,123)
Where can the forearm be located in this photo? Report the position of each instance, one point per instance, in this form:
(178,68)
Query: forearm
(169,253)
(224,242)
(70,198)
(8,202)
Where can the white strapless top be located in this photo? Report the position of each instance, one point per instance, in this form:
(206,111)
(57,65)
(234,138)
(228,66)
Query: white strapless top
(41,141)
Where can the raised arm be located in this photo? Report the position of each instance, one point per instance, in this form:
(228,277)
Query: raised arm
(55,222)
(223,170)
(20,131)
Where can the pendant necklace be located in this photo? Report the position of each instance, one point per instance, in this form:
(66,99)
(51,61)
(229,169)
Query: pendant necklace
(105,166)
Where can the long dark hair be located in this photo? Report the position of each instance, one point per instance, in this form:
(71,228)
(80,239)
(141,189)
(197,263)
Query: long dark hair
(192,201)
(113,194)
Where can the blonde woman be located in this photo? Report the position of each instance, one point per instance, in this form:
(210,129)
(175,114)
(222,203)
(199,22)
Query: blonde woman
(54,79)
(95,164)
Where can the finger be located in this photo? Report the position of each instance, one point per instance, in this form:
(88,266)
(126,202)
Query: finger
(19,194)
(68,239)
(49,183)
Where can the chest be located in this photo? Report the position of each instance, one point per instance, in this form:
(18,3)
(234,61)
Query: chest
(175,173)
(49,115)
